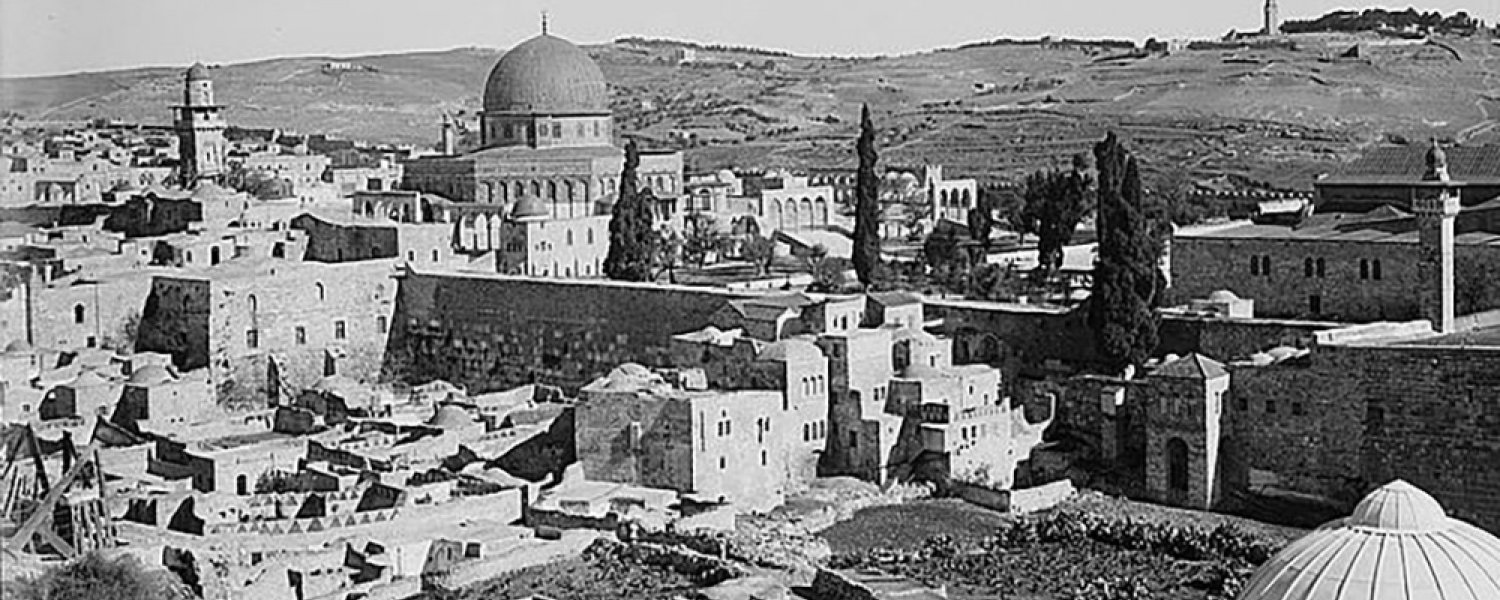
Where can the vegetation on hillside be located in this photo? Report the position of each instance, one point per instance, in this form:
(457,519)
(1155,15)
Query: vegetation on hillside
(1055,202)
(1378,19)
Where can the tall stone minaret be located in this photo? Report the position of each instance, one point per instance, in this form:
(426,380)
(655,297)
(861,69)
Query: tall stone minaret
(1436,203)
(1273,18)
(450,143)
(201,145)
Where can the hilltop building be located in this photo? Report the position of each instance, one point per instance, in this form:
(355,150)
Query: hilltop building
(1273,19)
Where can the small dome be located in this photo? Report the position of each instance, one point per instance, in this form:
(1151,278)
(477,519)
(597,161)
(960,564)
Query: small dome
(88,378)
(528,208)
(450,416)
(1223,296)
(197,72)
(1436,158)
(546,75)
(725,176)
(150,375)
(1398,545)
(790,350)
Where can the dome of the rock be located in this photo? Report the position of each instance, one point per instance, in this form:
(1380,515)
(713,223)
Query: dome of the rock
(546,75)
(1398,544)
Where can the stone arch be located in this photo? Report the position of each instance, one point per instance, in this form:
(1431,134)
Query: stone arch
(489,192)
(790,220)
(1177,465)
(552,191)
(536,189)
(807,212)
(821,206)
(494,230)
(967,198)
(322,291)
(520,191)
(943,198)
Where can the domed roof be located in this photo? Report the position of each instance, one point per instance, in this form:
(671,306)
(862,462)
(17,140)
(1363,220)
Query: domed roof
(450,416)
(528,207)
(546,74)
(1398,544)
(1223,296)
(790,350)
(150,375)
(197,72)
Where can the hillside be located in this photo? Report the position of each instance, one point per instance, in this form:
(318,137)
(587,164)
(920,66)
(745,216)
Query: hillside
(1272,114)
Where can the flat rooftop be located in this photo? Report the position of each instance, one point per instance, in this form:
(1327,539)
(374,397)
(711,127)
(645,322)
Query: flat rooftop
(1483,336)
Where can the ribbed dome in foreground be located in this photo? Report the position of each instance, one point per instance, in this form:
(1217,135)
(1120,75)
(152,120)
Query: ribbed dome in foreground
(546,75)
(1398,544)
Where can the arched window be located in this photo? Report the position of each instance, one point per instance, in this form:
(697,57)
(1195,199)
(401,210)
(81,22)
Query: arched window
(520,190)
(1177,465)
(1307,267)
(1320,268)
(1364,269)
(570,237)
(252,303)
(434,255)
(78,313)
(1375,270)
(536,189)
(552,190)
(1255,265)
(590,235)
(321,292)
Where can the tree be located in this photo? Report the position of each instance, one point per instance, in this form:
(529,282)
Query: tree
(1127,276)
(1055,203)
(866,203)
(702,239)
(760,251)
(631,236)
(827,272)
(94,576)
(667,246)
(981,221)
(940,251)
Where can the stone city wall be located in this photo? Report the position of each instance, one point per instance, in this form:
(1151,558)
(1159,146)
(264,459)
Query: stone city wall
(492,332)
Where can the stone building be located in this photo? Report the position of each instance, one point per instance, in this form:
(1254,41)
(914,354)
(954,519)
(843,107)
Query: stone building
(1426,258)
(267,327)
(531,244)
(671,430)
(1383,176)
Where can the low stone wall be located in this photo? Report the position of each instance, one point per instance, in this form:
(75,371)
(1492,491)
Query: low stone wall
(997,500)
(1041,497)
(705,570)
(834,585)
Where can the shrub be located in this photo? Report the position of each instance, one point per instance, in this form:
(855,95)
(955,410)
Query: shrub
(95,576)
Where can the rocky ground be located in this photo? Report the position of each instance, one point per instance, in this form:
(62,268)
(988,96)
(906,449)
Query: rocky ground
(1092,544)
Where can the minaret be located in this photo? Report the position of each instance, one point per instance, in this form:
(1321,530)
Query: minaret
(1436,203)
(1273,18)
(200,129)
(450,145)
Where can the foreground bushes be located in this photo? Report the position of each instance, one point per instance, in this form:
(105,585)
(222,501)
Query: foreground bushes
(94,577)
(1227,540)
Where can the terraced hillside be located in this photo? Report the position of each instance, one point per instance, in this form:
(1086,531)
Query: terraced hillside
(1276,114)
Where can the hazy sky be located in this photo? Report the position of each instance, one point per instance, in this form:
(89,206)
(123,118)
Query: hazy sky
(58,36)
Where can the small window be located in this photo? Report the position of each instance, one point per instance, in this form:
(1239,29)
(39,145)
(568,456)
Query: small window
(1255,265)
(338,330)
(322,293)
(252,339)
(380,324)
(434,255)
(1321,272)
(723,463)
(763,461)
(1241,403)
(1307,267)
(1298,410)
(1375,270)
(1364,268)
(301,335)
(1271,407)
(78,314)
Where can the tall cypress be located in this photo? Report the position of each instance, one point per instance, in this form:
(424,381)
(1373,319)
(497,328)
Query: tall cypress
(631,237)
(866,203)
(1127,276)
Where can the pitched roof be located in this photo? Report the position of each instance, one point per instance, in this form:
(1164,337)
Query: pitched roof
(1407,164)
(1192,366)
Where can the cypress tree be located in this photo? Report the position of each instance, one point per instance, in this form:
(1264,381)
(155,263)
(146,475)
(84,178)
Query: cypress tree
(867,203)
(631,237)
(1127,278)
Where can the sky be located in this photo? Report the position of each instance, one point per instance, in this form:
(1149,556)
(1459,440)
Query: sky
(39,37)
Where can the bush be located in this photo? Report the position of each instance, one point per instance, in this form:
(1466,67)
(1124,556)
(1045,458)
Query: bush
(1226,540)
(95,577)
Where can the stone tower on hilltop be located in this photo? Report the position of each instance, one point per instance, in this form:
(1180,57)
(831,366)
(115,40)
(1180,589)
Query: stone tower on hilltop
(1436,203)
(201,146)
(1273,18)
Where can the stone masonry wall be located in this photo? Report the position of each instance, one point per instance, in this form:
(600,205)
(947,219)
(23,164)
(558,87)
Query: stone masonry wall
(496,332)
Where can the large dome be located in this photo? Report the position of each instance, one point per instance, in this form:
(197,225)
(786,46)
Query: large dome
(546,75)
(1398,545)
